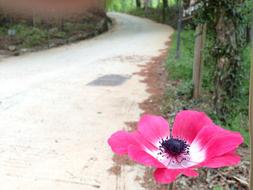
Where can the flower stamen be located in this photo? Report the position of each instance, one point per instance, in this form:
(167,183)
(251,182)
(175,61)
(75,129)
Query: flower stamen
(174,150)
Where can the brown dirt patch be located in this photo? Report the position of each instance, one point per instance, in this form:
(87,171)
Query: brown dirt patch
(118,162)
(155,76)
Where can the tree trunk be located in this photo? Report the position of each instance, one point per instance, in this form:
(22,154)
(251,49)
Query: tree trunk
(138,3)
(146,4)
(227,67)
(165,8)
(251,113)
(179,28)
(165,3)
(197,66)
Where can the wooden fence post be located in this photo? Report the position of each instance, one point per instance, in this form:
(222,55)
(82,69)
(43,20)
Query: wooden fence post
(179,27)
(197,65)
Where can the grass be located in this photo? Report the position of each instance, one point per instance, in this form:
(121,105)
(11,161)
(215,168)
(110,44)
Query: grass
(179,93)
(28,36)
(181,69)
(155,14)
(217,188)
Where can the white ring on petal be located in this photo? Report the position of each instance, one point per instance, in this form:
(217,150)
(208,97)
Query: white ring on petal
(195,156)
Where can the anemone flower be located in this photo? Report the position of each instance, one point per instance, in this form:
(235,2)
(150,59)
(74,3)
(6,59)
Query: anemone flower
(194,142)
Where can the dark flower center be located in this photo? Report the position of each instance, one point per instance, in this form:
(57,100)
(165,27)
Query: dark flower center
(174,147)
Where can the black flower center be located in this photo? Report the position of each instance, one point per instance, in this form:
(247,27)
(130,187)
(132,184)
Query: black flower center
(174,147)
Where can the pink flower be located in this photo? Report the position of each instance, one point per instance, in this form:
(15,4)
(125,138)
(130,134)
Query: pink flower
(195,142)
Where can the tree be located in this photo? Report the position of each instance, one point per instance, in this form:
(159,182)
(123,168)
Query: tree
(251,112)
(226,25)
(138,3)
(146,5)
(165,9)
(227,66)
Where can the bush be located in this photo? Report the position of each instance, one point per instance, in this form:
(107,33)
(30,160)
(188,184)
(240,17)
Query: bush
(31,36)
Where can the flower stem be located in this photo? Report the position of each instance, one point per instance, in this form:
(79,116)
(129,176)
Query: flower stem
(171,186)
(251,115)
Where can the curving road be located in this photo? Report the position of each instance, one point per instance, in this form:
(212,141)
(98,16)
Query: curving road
(59,106)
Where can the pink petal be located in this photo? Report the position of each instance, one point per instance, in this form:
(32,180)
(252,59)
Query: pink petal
(206,134)
(135,146)
(142,142)
(188,123)
(120,141)
(228,159)
(153,128)
(166,176)
(190,173)
(222,142)
(139,155)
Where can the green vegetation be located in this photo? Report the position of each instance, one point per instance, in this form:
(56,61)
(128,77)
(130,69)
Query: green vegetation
(126,6)
(217,188)
(153,14)
(226,23)
(28,36)
(154,10)
(182,66)
(23,34)
(179,93)
(156,14)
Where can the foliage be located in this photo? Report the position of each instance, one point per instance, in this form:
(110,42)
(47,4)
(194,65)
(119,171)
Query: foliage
(129,5)
(154,10)
(227,43)
(183,66)
(30,36)
(156,15)
(227,21)
(153,14)
(179,92)
(120,5)
(27,36)
(217,188)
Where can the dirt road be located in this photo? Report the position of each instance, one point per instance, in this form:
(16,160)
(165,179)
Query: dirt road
(59,106)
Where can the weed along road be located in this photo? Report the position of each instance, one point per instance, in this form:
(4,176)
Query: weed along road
(58,107)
